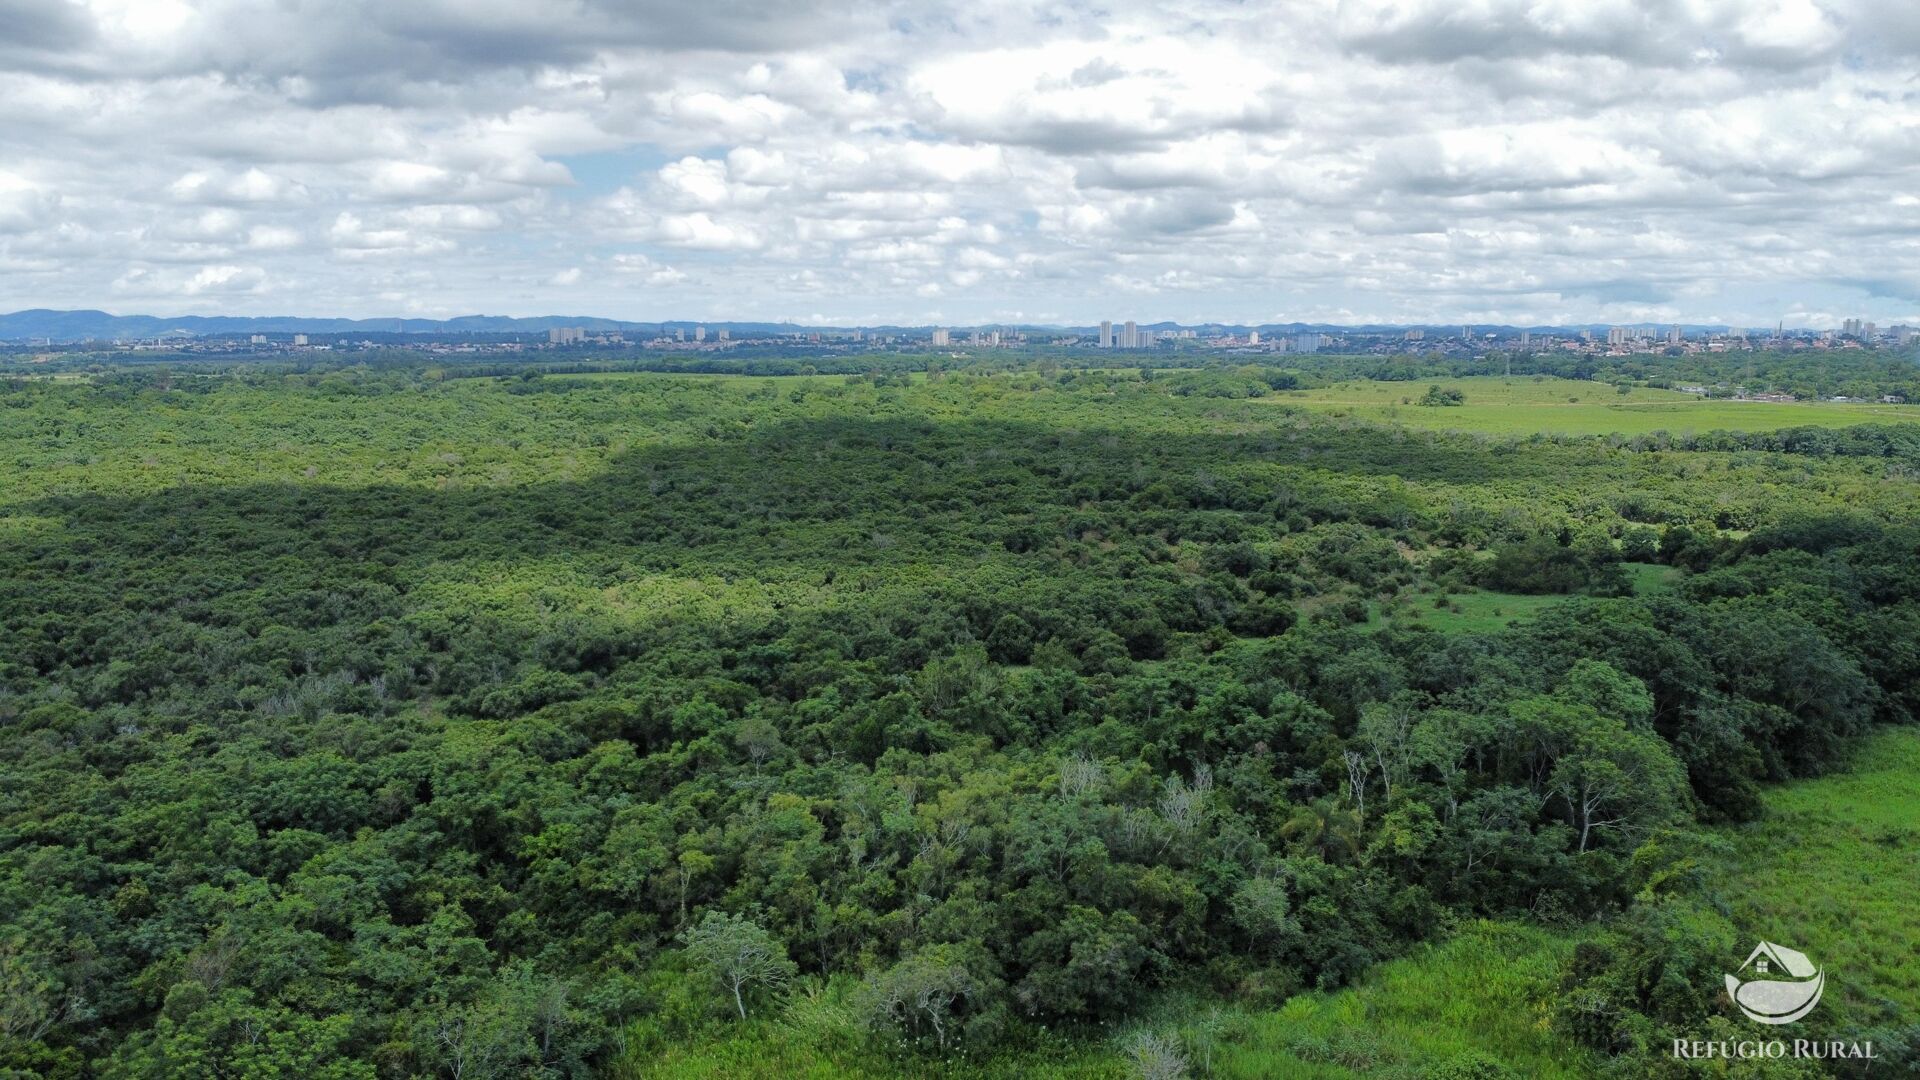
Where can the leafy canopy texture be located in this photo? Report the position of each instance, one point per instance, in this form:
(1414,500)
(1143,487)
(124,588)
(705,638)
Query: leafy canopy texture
(409,721)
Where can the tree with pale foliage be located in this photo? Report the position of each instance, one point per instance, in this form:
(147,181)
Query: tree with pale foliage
(739,956)
(1153,1056)
(928,993)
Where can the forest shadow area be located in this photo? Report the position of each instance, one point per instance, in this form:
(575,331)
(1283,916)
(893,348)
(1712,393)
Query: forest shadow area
(87,577)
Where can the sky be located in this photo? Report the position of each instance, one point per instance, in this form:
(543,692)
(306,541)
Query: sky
(1400,161)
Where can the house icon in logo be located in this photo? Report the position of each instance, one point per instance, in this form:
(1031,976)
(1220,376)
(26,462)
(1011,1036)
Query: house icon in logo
(1777,985)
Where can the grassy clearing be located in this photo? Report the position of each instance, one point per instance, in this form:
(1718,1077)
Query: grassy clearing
(1483,612)
(1833,871)
(1477,612)
(1484,992)
(1524,405)
(819,1036)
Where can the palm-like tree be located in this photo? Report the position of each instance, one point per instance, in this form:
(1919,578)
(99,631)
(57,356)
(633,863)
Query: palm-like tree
(1325,826)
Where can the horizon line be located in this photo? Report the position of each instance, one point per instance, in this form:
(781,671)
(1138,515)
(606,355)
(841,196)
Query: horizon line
(1468,324)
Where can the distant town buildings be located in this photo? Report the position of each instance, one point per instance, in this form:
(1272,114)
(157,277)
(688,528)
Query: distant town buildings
(1485,341)
(1128,335)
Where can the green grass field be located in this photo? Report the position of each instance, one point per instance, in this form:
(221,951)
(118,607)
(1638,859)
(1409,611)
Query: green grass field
(1833,870)
(1523,405)
(1484,612)
(817,1037)
(1477,612)
(1483,993)
(1406,1017)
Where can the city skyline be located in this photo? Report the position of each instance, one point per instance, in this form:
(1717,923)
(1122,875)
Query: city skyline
(79,327)
(916,163)
(1106,332)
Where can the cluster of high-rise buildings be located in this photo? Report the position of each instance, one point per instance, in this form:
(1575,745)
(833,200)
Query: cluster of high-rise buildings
(1129,335)
(991,339)
(1627,335)
(576,335)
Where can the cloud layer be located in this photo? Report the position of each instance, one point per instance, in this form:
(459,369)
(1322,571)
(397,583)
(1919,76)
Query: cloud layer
(1367,160)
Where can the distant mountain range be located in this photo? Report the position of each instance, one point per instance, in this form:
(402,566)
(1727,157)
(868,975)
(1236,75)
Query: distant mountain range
(69,326)
(100,326)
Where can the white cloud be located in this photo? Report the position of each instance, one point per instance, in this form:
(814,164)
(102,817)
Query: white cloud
(252,185)
(702,232)
(403,180)
(23,203)
(353,237)
(225,279)
(273,238)
(646,270)
(1410,159)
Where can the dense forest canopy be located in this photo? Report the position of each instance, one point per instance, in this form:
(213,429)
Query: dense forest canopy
(371,723)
